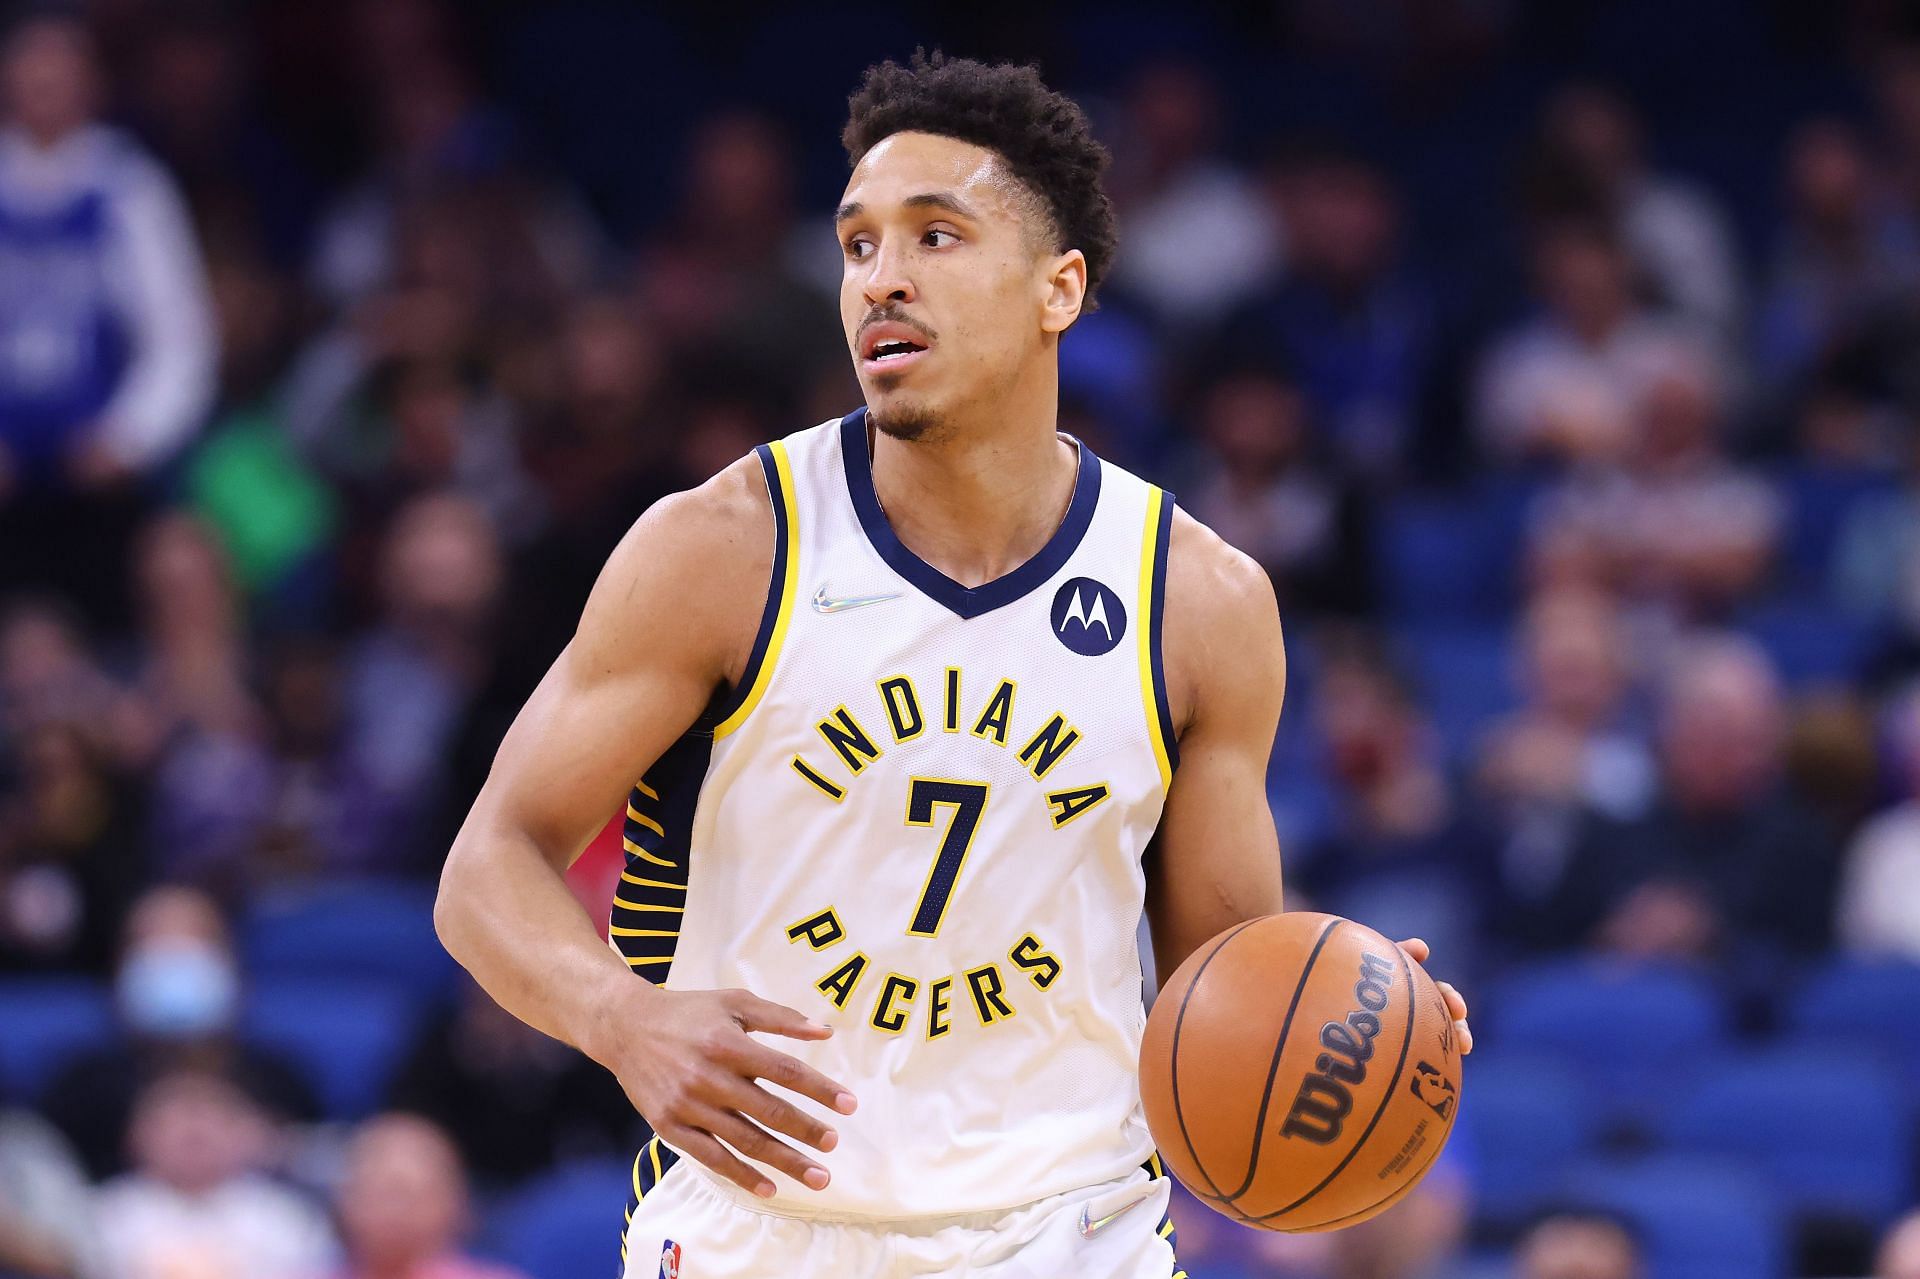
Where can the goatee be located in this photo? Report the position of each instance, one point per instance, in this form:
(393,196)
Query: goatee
(909,423)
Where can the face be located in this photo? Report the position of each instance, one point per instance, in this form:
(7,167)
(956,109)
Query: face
(1720,731)
(1583,279)
(1572,1249)
(404,1197)
(950,293)
(1900,1253)
(48,77)
(195,1132)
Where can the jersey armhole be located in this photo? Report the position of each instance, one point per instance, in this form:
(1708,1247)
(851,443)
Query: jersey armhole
(1152,604)
(732,709)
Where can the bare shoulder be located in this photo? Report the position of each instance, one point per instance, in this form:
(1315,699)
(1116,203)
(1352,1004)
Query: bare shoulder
(1221,632)
(689,580)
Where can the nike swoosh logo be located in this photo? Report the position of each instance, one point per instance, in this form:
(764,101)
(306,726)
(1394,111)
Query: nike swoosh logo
(824,603)
(1089,1227)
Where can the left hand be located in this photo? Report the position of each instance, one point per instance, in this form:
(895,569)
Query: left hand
(1417,950)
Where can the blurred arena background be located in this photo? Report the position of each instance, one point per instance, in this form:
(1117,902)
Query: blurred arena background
(1561,362)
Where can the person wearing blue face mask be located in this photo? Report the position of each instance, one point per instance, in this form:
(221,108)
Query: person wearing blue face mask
(177,996)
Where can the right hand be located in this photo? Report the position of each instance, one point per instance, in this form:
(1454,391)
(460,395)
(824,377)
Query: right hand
(692,1074)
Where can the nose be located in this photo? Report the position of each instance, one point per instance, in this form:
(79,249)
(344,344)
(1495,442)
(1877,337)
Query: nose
(887,281)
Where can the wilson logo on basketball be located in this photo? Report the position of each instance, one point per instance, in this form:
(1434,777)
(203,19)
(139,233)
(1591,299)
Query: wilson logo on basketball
(1325,1098)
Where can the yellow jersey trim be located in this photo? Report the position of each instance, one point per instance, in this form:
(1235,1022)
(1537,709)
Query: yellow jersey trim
(1150,554)
(789,588)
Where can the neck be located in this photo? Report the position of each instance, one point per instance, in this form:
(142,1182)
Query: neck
(984,497)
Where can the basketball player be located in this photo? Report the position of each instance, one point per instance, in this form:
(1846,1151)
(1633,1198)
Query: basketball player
(925,703)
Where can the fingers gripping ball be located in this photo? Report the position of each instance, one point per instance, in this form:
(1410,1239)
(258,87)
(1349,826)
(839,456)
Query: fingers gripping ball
(1300,1073)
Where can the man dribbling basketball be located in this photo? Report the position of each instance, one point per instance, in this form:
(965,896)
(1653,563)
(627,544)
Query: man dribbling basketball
(906,694)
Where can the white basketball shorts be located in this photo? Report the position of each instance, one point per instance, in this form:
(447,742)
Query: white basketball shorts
(687,1226)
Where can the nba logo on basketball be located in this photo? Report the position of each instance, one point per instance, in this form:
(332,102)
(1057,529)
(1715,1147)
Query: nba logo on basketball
(670,1260)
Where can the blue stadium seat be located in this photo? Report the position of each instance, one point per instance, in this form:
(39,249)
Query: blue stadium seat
(1820,500)
(347,1035)
(1529,1118)
(1443,559)
(44,1022)
(1698,1218)
(1465,675)
(1853,1001)
(1825,1126)
(1811,642)
(566,1224)
(1633,1032)
(372,930)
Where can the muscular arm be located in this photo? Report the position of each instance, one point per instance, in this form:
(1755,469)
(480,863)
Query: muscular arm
(670,621)
(659,634)
(1216,858)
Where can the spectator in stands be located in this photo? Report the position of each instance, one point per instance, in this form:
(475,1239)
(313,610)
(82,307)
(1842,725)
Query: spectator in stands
(1579,1244)
(1572,747)
(1675,524)
(403,1206)
(191,667)
(49,675)
(1876,562)
(47,1229)
(1841,254)
(68,868)
(438,141)
(1568,383)
(1900,1250)
(1879,896)
(1264,492)
(298,799)
(725,270)
(177,998)
(1401,852)
(1199,235)
(1896,89)
(196,1204)
(1727,861)
(515,1100)
(191,93)
(106,334)
(408,679)
(1348,318)
(1680,243)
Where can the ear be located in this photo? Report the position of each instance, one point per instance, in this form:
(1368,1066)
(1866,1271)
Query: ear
(1066,291)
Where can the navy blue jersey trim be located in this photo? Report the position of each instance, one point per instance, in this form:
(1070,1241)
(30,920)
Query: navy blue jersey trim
(725,705)
(650,897)
(966,601)
(1159,612)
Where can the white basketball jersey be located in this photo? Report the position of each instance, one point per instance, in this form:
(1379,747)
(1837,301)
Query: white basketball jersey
(920,819)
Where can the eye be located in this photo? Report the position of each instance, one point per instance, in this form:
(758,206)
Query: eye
(928,238)
(858,248)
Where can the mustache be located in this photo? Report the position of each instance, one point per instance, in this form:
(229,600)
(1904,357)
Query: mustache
(892,311)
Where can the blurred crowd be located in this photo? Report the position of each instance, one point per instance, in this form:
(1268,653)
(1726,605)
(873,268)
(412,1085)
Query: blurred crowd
(1573,417)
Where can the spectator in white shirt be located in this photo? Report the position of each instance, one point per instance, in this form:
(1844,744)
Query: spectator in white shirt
(1678,239)
(1879,907)
(106,336)
(194,1208)
(107,340)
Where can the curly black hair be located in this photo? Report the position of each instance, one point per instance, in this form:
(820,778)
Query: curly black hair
(1044,138)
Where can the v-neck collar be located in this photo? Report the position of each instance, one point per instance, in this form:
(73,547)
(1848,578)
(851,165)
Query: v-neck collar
(966,601)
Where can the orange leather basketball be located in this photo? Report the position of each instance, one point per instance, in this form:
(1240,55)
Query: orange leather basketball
(1300,1072)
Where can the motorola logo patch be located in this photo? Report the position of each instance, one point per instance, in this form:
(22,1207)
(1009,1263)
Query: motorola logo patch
(1088,617)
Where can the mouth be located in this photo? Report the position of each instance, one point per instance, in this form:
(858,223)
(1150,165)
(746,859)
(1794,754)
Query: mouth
(890,346)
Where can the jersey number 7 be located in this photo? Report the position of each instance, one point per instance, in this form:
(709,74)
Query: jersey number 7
(967,800)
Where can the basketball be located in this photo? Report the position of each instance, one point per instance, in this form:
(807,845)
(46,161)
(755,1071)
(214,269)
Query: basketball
(1300,1073)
